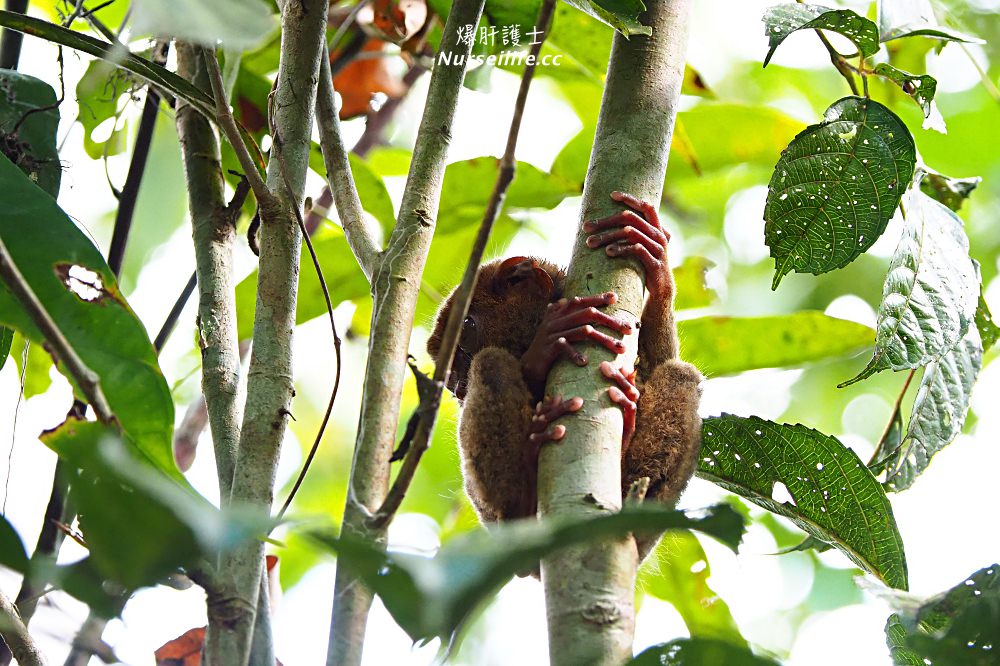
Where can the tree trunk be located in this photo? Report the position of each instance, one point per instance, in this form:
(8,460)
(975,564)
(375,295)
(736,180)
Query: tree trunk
(589,590)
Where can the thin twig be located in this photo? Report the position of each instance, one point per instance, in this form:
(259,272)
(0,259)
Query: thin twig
(463,295)
(16,635)
(227,123)
(88,15)
(333,327)
(170,323)
(11,40)
(876,454)
(137,168)
(359,235)
(86,379)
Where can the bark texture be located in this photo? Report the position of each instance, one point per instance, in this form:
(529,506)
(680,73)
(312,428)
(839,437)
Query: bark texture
(589,590)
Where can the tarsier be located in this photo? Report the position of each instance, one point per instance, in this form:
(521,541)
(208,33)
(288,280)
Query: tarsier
(519,324)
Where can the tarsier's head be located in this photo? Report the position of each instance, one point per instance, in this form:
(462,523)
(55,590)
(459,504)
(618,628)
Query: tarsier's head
(507,305)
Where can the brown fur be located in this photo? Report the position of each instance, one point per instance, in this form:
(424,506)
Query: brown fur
(507,307)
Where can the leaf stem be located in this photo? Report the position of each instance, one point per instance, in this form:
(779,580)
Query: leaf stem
(877,453)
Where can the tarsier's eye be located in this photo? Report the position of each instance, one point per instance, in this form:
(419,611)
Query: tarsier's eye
(469,340)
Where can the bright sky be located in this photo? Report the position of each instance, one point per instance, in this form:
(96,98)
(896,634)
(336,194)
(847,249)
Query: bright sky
(943,544)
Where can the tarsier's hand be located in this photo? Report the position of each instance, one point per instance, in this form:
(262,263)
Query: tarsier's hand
(624,394)
(541,431)
(566,321)
(629,234)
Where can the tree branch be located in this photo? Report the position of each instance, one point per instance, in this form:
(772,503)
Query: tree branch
(224,117)
(137,167)
(395,286)
(214,233)
(269,386)
(357,227)
(16,635)
(463,295)
(589,590)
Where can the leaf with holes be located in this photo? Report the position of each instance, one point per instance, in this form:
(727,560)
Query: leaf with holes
(988,331)
(938,412)
(782,20)
(434,596)
(920,88)
(836,187)
(930,292)
(29,118)
(699,652)
(728,345)
(74,284)
(913,18)
(960,626)
(952,192)
(811,479)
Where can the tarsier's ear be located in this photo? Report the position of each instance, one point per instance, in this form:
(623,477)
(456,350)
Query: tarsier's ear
(523,272)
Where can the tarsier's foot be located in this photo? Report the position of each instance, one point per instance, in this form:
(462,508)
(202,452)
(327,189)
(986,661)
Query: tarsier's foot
(541,431)
(624,394)
(565,322)
(634,233)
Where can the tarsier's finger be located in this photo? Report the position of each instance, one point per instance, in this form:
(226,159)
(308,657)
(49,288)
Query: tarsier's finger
(562,346)
(581,302)
(591,316)
(622,379)
(554,408)
(648,210)
(623,219)
(588,332)
(630,236)
(650,264)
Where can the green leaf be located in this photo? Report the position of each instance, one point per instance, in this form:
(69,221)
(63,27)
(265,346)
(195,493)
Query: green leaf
(38,373)
(138,524)
(836,186)
(929,296)
(782,20)
(32,147)
(678,573)
(622,15)
(728,345)
(912,18)
(12,553)
(73,282)
(938,412)
(988,331)
(961,626)
(468,186)
(699,652)
(811,479)
(920,88)
(895,639)
(238,24)
(343,278)
(433,596)
(97,95)
(143,68)
(890,442)
(6,340)
(952,192)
